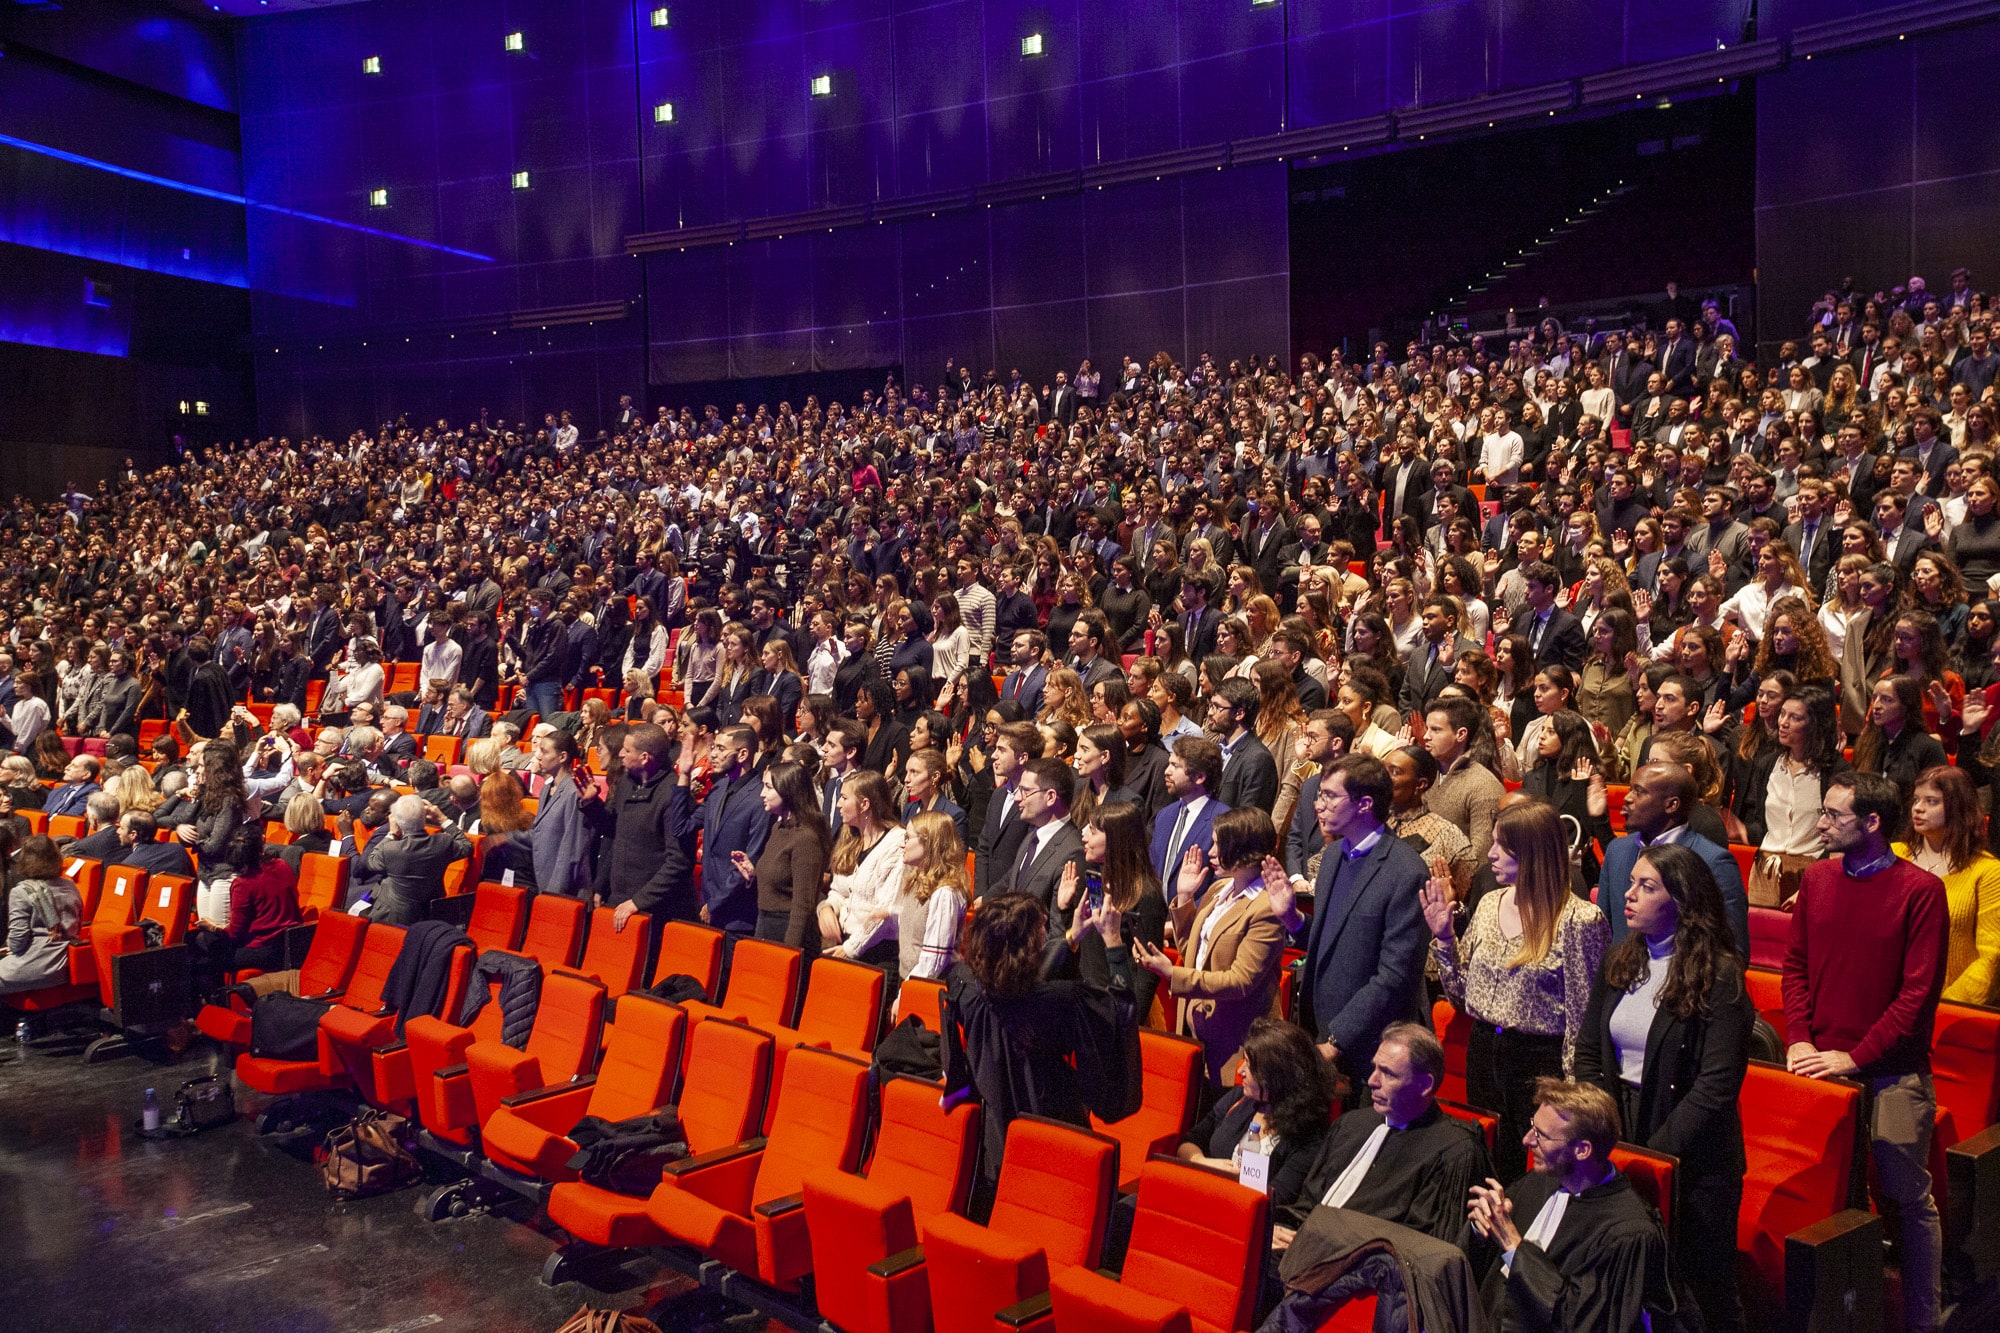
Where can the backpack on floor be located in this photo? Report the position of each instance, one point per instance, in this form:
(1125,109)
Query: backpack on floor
(368,1155)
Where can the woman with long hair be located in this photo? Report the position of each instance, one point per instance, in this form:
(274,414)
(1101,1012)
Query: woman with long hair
(1234,641)
(858,918)
(934,897)
(1554,690)
(1459,577)
(1568,775)
(1794,641)
(1370,641)
(1606,695)
(1118,871)
(135,791)
(1280,1108)
(1894,743)
(44,916)
(1916,650)
(1101,754)
(888,740)
(1667,1033)
(913,686)
(1778,793)
(214,805)
(1514,682)
(733,676)
(1937,587)
(1523,970)
(1977,640)
(792,867)
(1281,723)
(1063,699)
(1778,577)
(697,658)
(1944,839)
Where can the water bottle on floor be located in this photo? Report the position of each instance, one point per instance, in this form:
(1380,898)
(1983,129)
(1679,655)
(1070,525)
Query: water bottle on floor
(150,1117)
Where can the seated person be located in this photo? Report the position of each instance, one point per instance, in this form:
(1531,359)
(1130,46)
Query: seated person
(1578,1248)
(363,879)
(263,905)
(501,811)
(100,821)
(1277,1112)
(460,802)
(1400,1158)
(137,846)
(347,789)
(17,776)
(408,859)
(307,826)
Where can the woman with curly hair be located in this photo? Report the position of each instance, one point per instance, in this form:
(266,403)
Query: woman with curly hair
(934,895)
(1459,577)
(1937,587)
(1916,650)
(1063,699)
(1601,583)
(1793,641)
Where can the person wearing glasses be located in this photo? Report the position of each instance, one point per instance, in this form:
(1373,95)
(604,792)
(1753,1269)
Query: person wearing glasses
(1863,971)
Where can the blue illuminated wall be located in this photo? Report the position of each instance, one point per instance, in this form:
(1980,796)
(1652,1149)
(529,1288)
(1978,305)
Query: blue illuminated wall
(123,260)
(928,97)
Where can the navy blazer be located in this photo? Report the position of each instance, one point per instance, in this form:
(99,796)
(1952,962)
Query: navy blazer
(1303,838)
(732,820)
(1365,960)
(1616,877)
(944,807)
(1025,687)
(1201,833)
(1250,777)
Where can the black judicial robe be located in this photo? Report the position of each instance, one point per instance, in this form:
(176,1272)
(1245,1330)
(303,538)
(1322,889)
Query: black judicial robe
(1420,1179)
(1605,1268)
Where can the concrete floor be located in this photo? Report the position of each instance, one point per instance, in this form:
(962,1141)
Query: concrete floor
(226,1231)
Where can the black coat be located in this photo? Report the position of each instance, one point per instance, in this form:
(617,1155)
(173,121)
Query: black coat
(1694,1072)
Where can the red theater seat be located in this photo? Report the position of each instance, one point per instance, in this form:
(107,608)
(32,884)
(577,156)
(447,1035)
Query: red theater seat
(1767,995)
(616,957)
(689,950)
(336,944)
(762,990)
(322,884)
(1454,1029)
(741,1205)
(379,947)
(1194,1262)
(499,915)
(554,937)
(529,1133)
(1770,931)
(1055,1191)
(921,1167)
(1169,1088)
(569,1025)
(722,1102)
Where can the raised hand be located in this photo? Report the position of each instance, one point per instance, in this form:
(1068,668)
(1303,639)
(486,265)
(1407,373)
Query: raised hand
(740,862)
(1066,887)
(1973,716)
(1278,888)
(1934,523)
(1716,718)
(1940,698)
(1585,770)
(1717,565)
(1437,902)
(1193,873)
(1642,609)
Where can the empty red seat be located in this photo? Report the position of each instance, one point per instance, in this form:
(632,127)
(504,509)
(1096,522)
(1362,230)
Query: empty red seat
(167,902)
(921,1166)
(689,950)
(1169,1089)
(336,944)
(554,937)
(616,957)
(1799,1137)
(529,1133)
(499,915)
(1454,1029)
(379,947)
(1194,1262)
(842,1012)
(569,1025)
(722,1102)
(1770,932)
(322,884)
(924,999)
(741,1205)
(1054,1197)
(762,989)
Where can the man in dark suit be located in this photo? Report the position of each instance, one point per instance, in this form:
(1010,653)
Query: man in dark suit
(1249,773)
(100,818)
(1901,544)
(1194,770)
(1265,538)
(324,639)
(136,847)
(1554,634)
(1814,538)
(1288,649)
(79,782)
(1024,683)
(1930,449)
(1405,481)
(1364,966)
(731,818)
(399,747)
(464,718)
(408,860)
(1000,840)
(1198,620)
(1432,664)
(1061,401)
(1677,355)
(1043,796)
(1329,735)
(1656,810)
(1089,639)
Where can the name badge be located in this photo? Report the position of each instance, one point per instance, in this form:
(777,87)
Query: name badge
(507,878)
(1253,1170)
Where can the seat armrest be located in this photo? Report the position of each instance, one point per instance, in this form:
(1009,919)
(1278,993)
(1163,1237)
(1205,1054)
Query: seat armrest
(1024,1313)
(453,1071)
(1832,1268)
(326,995)
(386,1011)
(779,1207)
(538,1094)
(900,1262)
(715,1158)
(1972,1219)
(393,1048)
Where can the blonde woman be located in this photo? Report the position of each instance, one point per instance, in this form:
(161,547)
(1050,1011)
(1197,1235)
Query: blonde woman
(134,789)
(935,892)
(858,920)
(1063,699)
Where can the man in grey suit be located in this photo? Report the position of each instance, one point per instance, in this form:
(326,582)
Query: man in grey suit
(1043,796)
(410,860)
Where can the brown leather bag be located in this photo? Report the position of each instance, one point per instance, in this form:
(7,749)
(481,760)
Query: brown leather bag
(587,1320)
(366,1156)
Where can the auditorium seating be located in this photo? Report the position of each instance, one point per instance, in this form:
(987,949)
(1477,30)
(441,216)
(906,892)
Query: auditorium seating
(1049,1213)
(1770,931)
(569,1025)
(1454,1029)
(336,946)
(722,1101)
(554,935)
(689,950)
(741,1204)
(921,1167)
(168,902)
(499,915)
(1169,1089)
(615,957)
(924,999)
(363,994)
(322,884)
(353,1038)
(762,989)
(1194,1261)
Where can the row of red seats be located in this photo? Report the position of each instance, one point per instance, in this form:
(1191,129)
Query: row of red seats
(116,899)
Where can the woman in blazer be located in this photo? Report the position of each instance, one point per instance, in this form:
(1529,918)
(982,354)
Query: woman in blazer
(1281,1109)
(1232,944)
(1667,1034)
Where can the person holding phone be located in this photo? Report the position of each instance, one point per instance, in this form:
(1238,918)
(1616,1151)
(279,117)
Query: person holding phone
(1115,871)
(1232,942)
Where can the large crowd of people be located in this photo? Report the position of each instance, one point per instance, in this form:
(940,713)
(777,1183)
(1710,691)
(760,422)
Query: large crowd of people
(1198,662)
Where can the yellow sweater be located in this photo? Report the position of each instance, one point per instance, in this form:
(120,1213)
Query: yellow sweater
(1972,958)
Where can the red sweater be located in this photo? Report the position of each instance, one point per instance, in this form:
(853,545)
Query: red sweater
(263,904)
(1865,964)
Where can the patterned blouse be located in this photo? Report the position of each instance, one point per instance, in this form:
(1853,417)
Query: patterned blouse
(1548,997)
